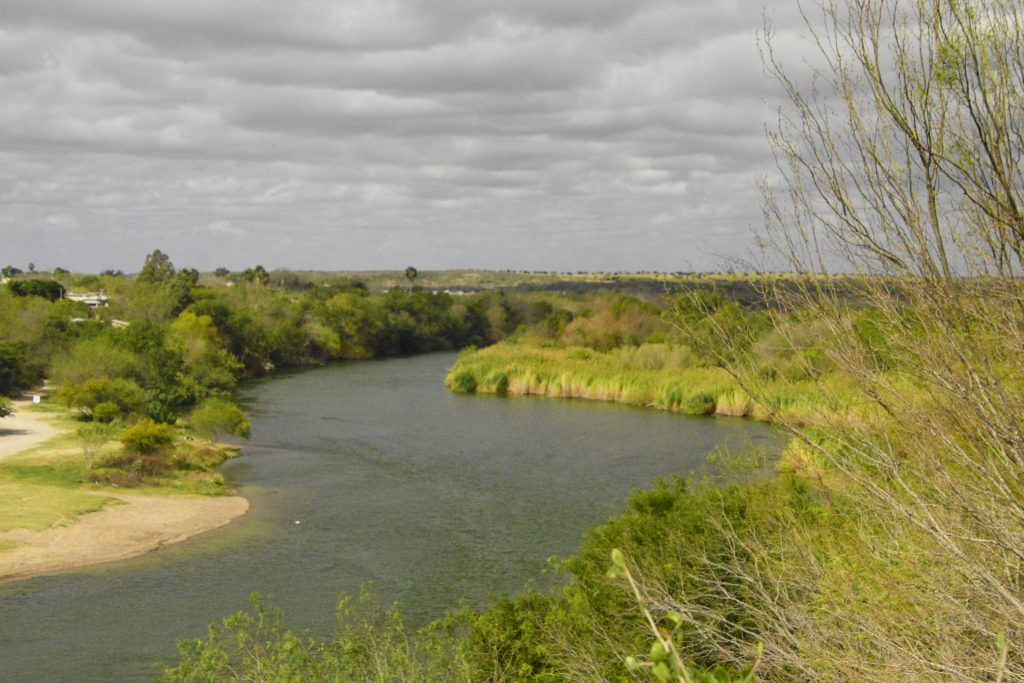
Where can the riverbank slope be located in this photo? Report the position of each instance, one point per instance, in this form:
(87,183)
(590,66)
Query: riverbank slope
(48,525)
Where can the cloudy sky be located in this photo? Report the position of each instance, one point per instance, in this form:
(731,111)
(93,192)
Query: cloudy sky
(364,134)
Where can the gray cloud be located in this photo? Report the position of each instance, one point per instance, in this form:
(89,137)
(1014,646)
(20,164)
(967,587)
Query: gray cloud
(594,134)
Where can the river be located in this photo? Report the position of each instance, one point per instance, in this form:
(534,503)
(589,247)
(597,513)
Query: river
(363,472)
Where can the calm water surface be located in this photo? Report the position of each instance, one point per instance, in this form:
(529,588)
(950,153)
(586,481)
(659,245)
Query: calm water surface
(435,498)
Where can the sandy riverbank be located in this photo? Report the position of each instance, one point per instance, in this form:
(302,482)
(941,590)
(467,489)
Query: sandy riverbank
(139,524)
(131,525)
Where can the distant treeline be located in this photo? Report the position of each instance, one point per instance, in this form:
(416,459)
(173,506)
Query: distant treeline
(179,342)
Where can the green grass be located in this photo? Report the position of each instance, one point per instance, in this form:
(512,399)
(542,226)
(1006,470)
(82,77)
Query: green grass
(34,506)
(653,375)
(47,406)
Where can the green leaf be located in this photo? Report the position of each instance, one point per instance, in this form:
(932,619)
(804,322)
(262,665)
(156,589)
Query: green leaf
(618,559)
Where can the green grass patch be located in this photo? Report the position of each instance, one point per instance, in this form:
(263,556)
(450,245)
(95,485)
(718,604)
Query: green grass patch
(63,472)
(658,376)
(29,505)
(47,406)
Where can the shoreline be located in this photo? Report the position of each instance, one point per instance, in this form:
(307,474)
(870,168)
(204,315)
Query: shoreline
(129,525)
(137,525)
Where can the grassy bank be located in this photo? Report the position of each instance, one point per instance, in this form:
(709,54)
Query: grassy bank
(659,376)
(82,467)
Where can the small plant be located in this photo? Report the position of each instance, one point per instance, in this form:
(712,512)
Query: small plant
(91,437)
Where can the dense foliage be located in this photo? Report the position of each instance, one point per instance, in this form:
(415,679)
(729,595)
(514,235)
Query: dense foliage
(161,347)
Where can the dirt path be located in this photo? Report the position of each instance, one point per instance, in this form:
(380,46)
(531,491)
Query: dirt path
(118,531)
(24,430)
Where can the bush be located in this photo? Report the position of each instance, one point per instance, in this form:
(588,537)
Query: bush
(217,416)
(146,437)
(106,411)
(463,382)
(123,393)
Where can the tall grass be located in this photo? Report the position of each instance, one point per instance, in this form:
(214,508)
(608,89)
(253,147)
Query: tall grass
(659,376)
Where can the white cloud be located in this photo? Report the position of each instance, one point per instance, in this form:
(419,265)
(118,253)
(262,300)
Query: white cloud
(362,134)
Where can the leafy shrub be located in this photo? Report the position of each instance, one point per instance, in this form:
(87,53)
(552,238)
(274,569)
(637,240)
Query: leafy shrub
(87,395)
(92,358)
(217,416)
(146,437)
(106,411)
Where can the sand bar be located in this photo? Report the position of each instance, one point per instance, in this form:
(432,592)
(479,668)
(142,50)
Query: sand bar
(139,524)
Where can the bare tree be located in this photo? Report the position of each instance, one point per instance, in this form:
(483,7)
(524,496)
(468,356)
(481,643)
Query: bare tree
(900,202)
(900,167)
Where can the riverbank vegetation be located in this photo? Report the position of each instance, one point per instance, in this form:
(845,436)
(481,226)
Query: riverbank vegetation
(672,354)
(894,551)
(141,370)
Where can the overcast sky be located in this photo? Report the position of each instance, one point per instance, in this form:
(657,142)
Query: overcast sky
(346,135)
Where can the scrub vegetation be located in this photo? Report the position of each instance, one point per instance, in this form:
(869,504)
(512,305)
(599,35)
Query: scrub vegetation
(669,354)
(888,547)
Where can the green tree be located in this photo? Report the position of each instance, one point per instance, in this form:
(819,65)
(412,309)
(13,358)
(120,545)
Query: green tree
(256,275)
(46,289)
(157,269)
(410,275)
(13,371)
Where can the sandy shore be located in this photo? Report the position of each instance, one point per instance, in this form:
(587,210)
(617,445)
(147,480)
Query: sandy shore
(135,525)
(24,430)
(138,525)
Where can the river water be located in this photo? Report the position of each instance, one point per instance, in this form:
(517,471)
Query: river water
(363,472)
